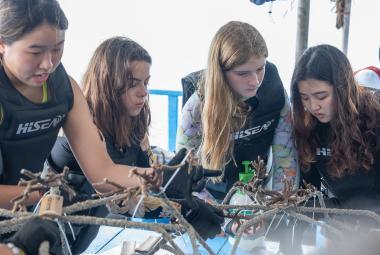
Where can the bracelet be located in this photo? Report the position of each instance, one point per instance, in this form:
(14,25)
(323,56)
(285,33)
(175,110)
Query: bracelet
(15,250)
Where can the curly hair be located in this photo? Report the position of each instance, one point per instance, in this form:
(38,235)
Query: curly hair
(353,129)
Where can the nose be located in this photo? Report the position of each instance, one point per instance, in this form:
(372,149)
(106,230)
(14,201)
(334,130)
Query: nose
(143,90)
(47,61)
(314,105)
(253,79)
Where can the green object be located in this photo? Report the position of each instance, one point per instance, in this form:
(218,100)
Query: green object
(242,212)
(248,172)
(247,166)
(245,177)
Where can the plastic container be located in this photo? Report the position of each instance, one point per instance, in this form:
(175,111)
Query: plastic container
(247,242)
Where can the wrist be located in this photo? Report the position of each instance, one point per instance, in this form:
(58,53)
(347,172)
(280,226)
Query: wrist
(188,212)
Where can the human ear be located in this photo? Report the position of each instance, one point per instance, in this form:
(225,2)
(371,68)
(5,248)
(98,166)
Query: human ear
(2,46)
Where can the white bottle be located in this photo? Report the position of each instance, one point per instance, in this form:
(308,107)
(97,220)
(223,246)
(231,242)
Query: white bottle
(248,241)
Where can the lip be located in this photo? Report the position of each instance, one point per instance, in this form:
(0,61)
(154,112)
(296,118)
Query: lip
(319,115)
(40,78)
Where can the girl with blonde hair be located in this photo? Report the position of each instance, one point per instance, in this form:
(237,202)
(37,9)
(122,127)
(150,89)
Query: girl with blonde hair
(240,111)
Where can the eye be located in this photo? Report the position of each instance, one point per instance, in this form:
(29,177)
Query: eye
(133,82)
(146,82)
(242,73)
(321,96)
(57,50)
(304,98)
(260,69)
(35,53)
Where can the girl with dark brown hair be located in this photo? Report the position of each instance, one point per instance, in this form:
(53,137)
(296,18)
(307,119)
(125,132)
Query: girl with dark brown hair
(115,87)
(336,128)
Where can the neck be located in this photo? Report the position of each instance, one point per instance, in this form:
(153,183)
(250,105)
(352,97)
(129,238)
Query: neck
(33,93)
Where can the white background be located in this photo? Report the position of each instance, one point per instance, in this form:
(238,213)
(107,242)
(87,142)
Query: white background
(177,34)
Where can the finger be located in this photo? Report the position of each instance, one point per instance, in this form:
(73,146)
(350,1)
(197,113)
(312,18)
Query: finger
(214,231)
(189,184)
(178,157)
(52,231)
(218,211)
(188,192)
(199,185)
(198,173)
(207,232)
(219,215)
(220,219)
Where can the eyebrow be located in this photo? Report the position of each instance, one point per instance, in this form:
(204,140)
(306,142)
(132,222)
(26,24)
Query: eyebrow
(314,94)
(36,46)
(244,70)
(137,79)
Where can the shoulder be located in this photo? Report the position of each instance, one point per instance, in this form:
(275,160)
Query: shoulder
(271,77)
(61,84)
(58,76)
(191,113)
(270,68)
(193,104)
(75,87)
(144,143)
(286,110)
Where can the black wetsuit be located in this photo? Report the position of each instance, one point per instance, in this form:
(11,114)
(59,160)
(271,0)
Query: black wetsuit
(61,155)
(28,130)
(360,190)
(256,137)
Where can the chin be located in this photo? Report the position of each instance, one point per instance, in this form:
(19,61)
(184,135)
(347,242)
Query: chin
(33,84)
(246,97)
(324,120)
(134,113)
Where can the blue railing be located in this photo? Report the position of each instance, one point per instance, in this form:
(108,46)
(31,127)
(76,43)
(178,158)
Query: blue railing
(172,113)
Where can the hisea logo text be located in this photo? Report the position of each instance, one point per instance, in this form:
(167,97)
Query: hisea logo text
(323,152)
(34,126)
(254,130)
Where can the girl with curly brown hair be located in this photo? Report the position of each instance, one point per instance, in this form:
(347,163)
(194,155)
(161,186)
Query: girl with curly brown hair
(336,128)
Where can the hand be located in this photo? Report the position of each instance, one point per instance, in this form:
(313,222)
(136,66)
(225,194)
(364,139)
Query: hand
(33,233)
(205,218)
(198,181)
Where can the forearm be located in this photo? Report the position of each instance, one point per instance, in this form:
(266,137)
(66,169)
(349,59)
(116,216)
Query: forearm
(97,165)
(284,154)
(119,174)
(4,250)
(89,148)
(8,192)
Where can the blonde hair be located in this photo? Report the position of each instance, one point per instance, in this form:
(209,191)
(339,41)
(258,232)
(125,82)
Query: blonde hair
(223,113)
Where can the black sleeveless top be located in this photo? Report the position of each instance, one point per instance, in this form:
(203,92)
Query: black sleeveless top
(28,130)
(256,137)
